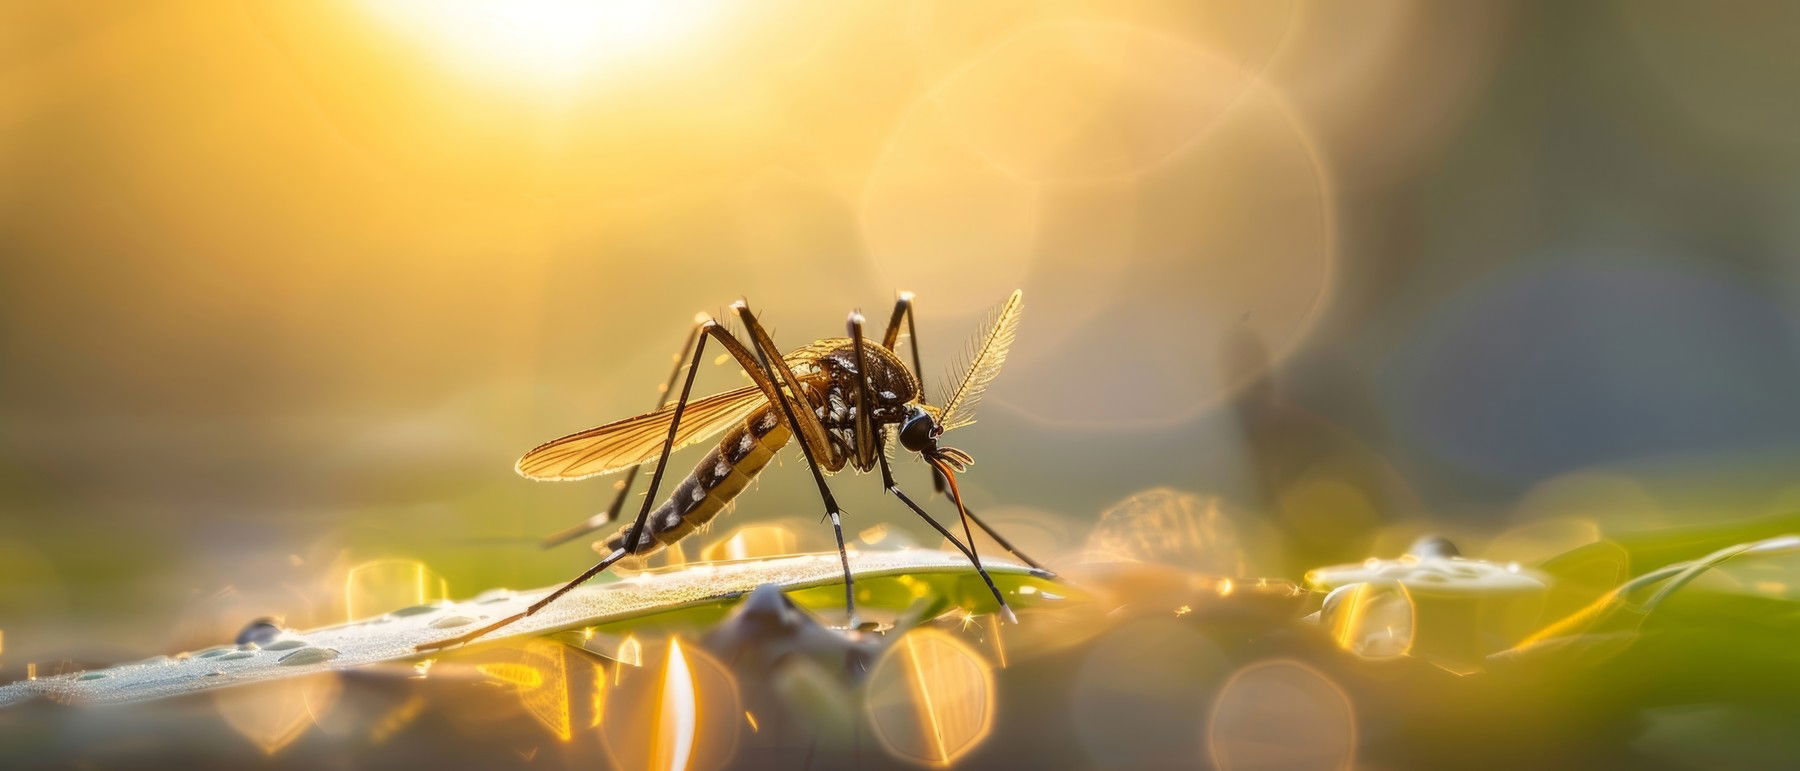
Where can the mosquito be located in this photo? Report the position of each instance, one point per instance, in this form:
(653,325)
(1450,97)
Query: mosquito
(845,398)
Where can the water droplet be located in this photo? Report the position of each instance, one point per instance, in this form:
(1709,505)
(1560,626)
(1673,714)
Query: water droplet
(1434,546)
(93,676)
(249,646)
(235,655)
(309,656)
(214,651)
(259,631)
(450,621)
(282,645)
(214,673)
(416,610)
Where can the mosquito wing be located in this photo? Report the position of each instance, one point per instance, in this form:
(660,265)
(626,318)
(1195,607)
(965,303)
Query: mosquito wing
(805,359)
(625,443)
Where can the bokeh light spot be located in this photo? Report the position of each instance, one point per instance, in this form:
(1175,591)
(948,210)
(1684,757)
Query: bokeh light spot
(683,711)
(1373,620)
(1171,527)
(378,586)
(931,698)
(272,715)
(1281,714)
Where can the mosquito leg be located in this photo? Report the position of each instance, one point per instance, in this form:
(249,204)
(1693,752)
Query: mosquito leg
(903,311)
(1000,539)
(772,366)
(782,373)
(706,327)
(887,481)
(618,554)
(903,307)
(887,473)
(618,502)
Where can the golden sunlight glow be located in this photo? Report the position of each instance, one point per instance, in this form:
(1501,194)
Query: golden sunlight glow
(541,42)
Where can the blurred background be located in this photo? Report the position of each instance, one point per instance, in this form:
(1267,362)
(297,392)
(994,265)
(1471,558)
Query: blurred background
(285,288)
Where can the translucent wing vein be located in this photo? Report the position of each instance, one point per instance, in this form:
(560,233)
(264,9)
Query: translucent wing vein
(625,443)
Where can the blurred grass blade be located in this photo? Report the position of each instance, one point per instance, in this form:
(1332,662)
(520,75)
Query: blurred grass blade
(693,597)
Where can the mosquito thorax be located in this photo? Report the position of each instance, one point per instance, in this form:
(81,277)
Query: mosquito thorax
(891,386)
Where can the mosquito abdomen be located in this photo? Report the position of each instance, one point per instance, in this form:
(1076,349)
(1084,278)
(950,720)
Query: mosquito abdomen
(718,478)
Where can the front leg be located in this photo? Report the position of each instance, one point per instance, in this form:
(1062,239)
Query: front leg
(813,441)
(887,474)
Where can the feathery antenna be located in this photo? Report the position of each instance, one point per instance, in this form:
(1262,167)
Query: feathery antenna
(983,362)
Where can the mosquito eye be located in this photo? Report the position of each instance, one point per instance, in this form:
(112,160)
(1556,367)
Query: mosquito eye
(918,431)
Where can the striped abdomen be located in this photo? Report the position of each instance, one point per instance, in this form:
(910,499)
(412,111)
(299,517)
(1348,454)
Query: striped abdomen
(718,478)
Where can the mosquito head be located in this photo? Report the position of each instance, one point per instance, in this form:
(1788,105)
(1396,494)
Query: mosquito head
(920,431)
